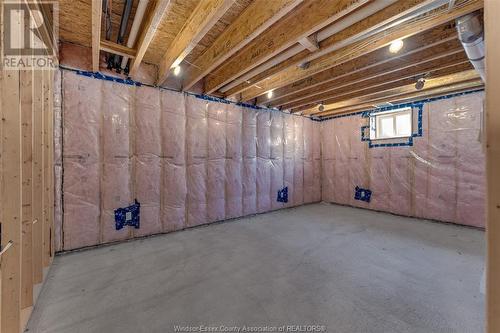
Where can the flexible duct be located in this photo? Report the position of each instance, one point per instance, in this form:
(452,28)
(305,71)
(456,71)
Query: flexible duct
(471,34)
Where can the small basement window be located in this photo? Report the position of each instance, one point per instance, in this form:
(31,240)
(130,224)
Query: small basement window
(391,124)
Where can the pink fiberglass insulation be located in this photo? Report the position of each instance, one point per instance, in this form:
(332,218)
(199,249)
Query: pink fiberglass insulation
(249,173)
(264,164)
(288,155)
(234,162)
(197,155)
(188,161)
(81,108)
(173,172)
(58,212)
(216,173)
(276,158)
(298,172)
(441,176)
(308,134)
(147,158)
(116,176)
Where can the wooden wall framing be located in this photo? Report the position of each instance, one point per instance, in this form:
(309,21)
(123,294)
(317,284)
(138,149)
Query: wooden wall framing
(26,189)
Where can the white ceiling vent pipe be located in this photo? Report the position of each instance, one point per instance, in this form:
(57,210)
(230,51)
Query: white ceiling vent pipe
(139,14)
(471,34)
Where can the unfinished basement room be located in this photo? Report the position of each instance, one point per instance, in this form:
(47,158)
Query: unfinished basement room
(268,166)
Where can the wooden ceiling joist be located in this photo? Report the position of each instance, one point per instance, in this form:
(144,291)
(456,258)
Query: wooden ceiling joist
(151,22)
(118,49)
(368,45)
(349,35)
(382,73)
(96,33)
(421,47)
(379,84)
(310,43)
(259,16)
(203,18)
(466,77)
(309,17)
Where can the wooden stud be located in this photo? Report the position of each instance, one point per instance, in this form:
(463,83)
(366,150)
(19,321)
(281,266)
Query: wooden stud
(309,17)
(46,180)
(151,22)
(26,77)
(258,17)
(37,177)
(358,49)
(96,33)
(203,18)
(11,195)
(492,33)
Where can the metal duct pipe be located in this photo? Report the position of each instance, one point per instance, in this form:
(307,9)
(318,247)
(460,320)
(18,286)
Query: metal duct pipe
(139,14)
(471,34)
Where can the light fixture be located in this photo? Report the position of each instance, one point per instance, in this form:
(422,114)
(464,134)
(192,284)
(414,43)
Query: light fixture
(177,70)
(270,94)
(420,84)
(321,107)
(396,46)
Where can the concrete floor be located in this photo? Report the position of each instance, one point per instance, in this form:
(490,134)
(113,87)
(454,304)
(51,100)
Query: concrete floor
(349,269)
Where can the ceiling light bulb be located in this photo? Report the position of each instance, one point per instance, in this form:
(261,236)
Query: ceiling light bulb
(177,70)
(269,94)
(396,46)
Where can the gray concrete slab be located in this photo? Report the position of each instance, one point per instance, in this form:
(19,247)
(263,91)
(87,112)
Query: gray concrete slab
(349,269)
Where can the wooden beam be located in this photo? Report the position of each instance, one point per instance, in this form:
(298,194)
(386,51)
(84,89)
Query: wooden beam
(256,18)
(150,26)
(360,48)
(420,48)
(372,79)
(114,48)
(309,17)
(96,33)
(376,85)
(447,80)
(310,43)
(390,14)
(203,18)
(492,33)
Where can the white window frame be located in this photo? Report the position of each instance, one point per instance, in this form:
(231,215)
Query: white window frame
(375,119)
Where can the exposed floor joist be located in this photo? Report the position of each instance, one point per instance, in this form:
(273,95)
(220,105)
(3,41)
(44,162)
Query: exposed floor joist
(419,48)
(377,85)
(203,18)
(391,14)
(150,26)
(454,81)
(259,16)
(371,44)
(312,16)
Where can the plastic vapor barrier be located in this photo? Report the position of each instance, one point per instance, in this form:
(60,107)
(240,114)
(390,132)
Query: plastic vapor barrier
(441,176)
(186,160)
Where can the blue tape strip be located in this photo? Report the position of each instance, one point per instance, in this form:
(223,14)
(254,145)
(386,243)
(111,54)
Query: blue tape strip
(100,76)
